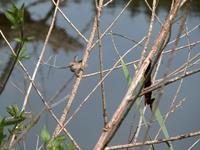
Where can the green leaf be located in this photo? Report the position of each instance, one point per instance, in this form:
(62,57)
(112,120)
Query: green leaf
(128,79)
(70,146)
(23,54)
(124,68)
(13,110)
(13,8)
(10,17)
(45,135)
(11,121)
(57,143)
(126,72)
(24,40)
(30,38)
(158,117)
(161,122)
(15,16)
(135,67)
(19,40)
(21,13)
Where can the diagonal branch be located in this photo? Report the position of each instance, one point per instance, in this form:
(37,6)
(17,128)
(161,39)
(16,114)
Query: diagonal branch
(88,50)
(159,141)
(127,101)
(40,57)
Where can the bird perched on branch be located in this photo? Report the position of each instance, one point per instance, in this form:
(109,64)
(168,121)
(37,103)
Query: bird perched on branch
(76,66)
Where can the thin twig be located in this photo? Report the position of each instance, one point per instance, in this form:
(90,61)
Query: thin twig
(194,144)
(112,23)
(166,73)
(72,25)
(158,85)
(88,50)
(40,95)
(107,70)
(107,3)
(105,76)
(125,37)
(40,57)
(127,103)
(180,84)
(102,86)
(159,141)
(136,61)
(86,55)
(183,35)
(149,32)
(139,126)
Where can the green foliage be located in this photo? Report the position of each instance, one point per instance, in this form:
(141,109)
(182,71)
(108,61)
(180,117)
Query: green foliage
(23,55)
(15,16)
(57,143)
(126,72)
(45,135)
(161,122)
(15,119)
(25,39)
(14,111)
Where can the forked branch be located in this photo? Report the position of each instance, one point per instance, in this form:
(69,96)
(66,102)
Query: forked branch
(129,98)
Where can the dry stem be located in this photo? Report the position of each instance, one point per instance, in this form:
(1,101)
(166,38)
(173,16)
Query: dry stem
(127,102)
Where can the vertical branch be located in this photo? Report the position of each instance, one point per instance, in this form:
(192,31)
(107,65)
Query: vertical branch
(138,129)
(71,24)
(87,53)
(183,19)
(129,99)
(102,86)
(104,77)
(185,68)
(149,31)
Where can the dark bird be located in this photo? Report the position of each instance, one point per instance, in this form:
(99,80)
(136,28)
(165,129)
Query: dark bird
(147,76)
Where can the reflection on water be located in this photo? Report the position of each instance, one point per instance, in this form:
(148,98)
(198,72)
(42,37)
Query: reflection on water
(38,30)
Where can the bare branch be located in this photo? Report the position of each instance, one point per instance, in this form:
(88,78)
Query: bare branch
(88,50)
(103,96)
(127,102)
(159,141)
(40,57)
